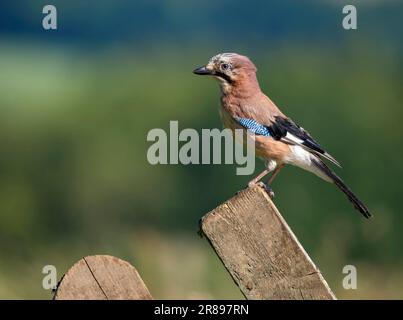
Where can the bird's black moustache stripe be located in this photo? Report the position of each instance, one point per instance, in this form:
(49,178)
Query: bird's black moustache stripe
(223,76)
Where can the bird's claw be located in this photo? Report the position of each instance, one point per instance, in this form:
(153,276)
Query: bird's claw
(267,188)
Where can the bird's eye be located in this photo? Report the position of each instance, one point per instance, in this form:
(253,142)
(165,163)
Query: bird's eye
(224,66)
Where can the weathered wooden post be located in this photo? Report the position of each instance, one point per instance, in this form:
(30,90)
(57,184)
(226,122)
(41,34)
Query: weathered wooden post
(260,251)
(102,277)
(250,237)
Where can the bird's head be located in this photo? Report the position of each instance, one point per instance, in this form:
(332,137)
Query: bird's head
(231,69)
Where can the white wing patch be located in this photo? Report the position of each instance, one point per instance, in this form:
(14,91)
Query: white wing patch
(291,139)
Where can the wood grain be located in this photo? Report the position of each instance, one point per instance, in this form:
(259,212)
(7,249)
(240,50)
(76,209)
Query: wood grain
(102,277)
(260,251)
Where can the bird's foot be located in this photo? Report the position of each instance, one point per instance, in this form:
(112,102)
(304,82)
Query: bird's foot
(265,187)
(268,189)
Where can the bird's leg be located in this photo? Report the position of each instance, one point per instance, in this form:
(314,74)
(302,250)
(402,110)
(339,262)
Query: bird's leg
(260,176)
(262,184)
(275,172)
(270,180)
(266,186)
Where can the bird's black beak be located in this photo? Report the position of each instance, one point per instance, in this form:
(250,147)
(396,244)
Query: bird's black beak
(202,71)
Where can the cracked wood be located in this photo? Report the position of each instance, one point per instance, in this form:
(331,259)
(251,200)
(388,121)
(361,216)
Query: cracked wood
(102,277)
(260,251)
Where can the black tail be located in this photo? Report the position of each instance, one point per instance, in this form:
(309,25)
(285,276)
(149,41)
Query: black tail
(340,184)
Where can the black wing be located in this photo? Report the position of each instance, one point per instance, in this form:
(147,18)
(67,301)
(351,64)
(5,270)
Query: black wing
(286,130)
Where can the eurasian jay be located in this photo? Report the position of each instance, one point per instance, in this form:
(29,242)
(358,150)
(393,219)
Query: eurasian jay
(278,139)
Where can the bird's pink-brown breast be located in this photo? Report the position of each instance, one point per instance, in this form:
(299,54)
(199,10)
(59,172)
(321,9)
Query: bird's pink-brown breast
(246,100)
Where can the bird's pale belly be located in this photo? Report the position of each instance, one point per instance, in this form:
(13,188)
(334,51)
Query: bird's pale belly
(265,147)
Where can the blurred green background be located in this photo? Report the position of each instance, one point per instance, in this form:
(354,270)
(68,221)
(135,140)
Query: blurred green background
(76,105)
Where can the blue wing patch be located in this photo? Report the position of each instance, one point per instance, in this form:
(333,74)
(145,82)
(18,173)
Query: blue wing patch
(253,126)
